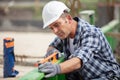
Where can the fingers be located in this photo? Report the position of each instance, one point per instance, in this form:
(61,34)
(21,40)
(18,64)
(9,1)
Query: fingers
(44,65)
(47,70)
(49,75)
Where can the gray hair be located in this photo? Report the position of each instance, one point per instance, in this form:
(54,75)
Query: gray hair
(64,14)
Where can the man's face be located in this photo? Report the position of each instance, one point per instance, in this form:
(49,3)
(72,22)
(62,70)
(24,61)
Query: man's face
(61,28)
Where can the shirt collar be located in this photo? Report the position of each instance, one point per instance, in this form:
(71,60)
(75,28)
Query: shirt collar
(78,31)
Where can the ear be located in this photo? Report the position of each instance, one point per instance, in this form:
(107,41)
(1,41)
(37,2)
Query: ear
(69,18)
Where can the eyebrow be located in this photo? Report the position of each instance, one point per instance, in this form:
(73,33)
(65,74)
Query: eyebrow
(53,25)
(56,23)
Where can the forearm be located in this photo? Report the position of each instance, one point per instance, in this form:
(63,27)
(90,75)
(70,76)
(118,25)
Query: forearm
(70,65)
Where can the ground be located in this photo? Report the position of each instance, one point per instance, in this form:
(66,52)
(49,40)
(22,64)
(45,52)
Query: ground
(32,44)
(22,71)
(26,43)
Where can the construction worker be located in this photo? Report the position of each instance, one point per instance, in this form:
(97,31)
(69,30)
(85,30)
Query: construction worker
(87,52)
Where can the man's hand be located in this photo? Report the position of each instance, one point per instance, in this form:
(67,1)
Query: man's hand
(49,52)
(49,69)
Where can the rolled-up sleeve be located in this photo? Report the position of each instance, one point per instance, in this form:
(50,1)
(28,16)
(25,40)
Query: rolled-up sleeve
(90,44)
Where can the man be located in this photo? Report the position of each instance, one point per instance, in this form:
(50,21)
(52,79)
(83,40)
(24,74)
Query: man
(87,52)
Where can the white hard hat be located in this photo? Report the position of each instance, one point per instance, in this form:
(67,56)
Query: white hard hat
(52,11)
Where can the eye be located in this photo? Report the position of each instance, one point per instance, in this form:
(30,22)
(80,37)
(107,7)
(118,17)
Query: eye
(51,28)
(56,25)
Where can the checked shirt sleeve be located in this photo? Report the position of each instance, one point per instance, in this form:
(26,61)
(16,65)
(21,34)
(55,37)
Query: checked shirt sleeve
(57,43)
(90,44)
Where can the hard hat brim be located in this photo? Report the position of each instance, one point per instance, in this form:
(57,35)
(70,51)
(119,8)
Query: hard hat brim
(52,20)
(50,14)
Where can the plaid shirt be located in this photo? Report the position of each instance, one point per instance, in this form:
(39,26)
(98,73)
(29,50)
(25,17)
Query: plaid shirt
(91,46)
